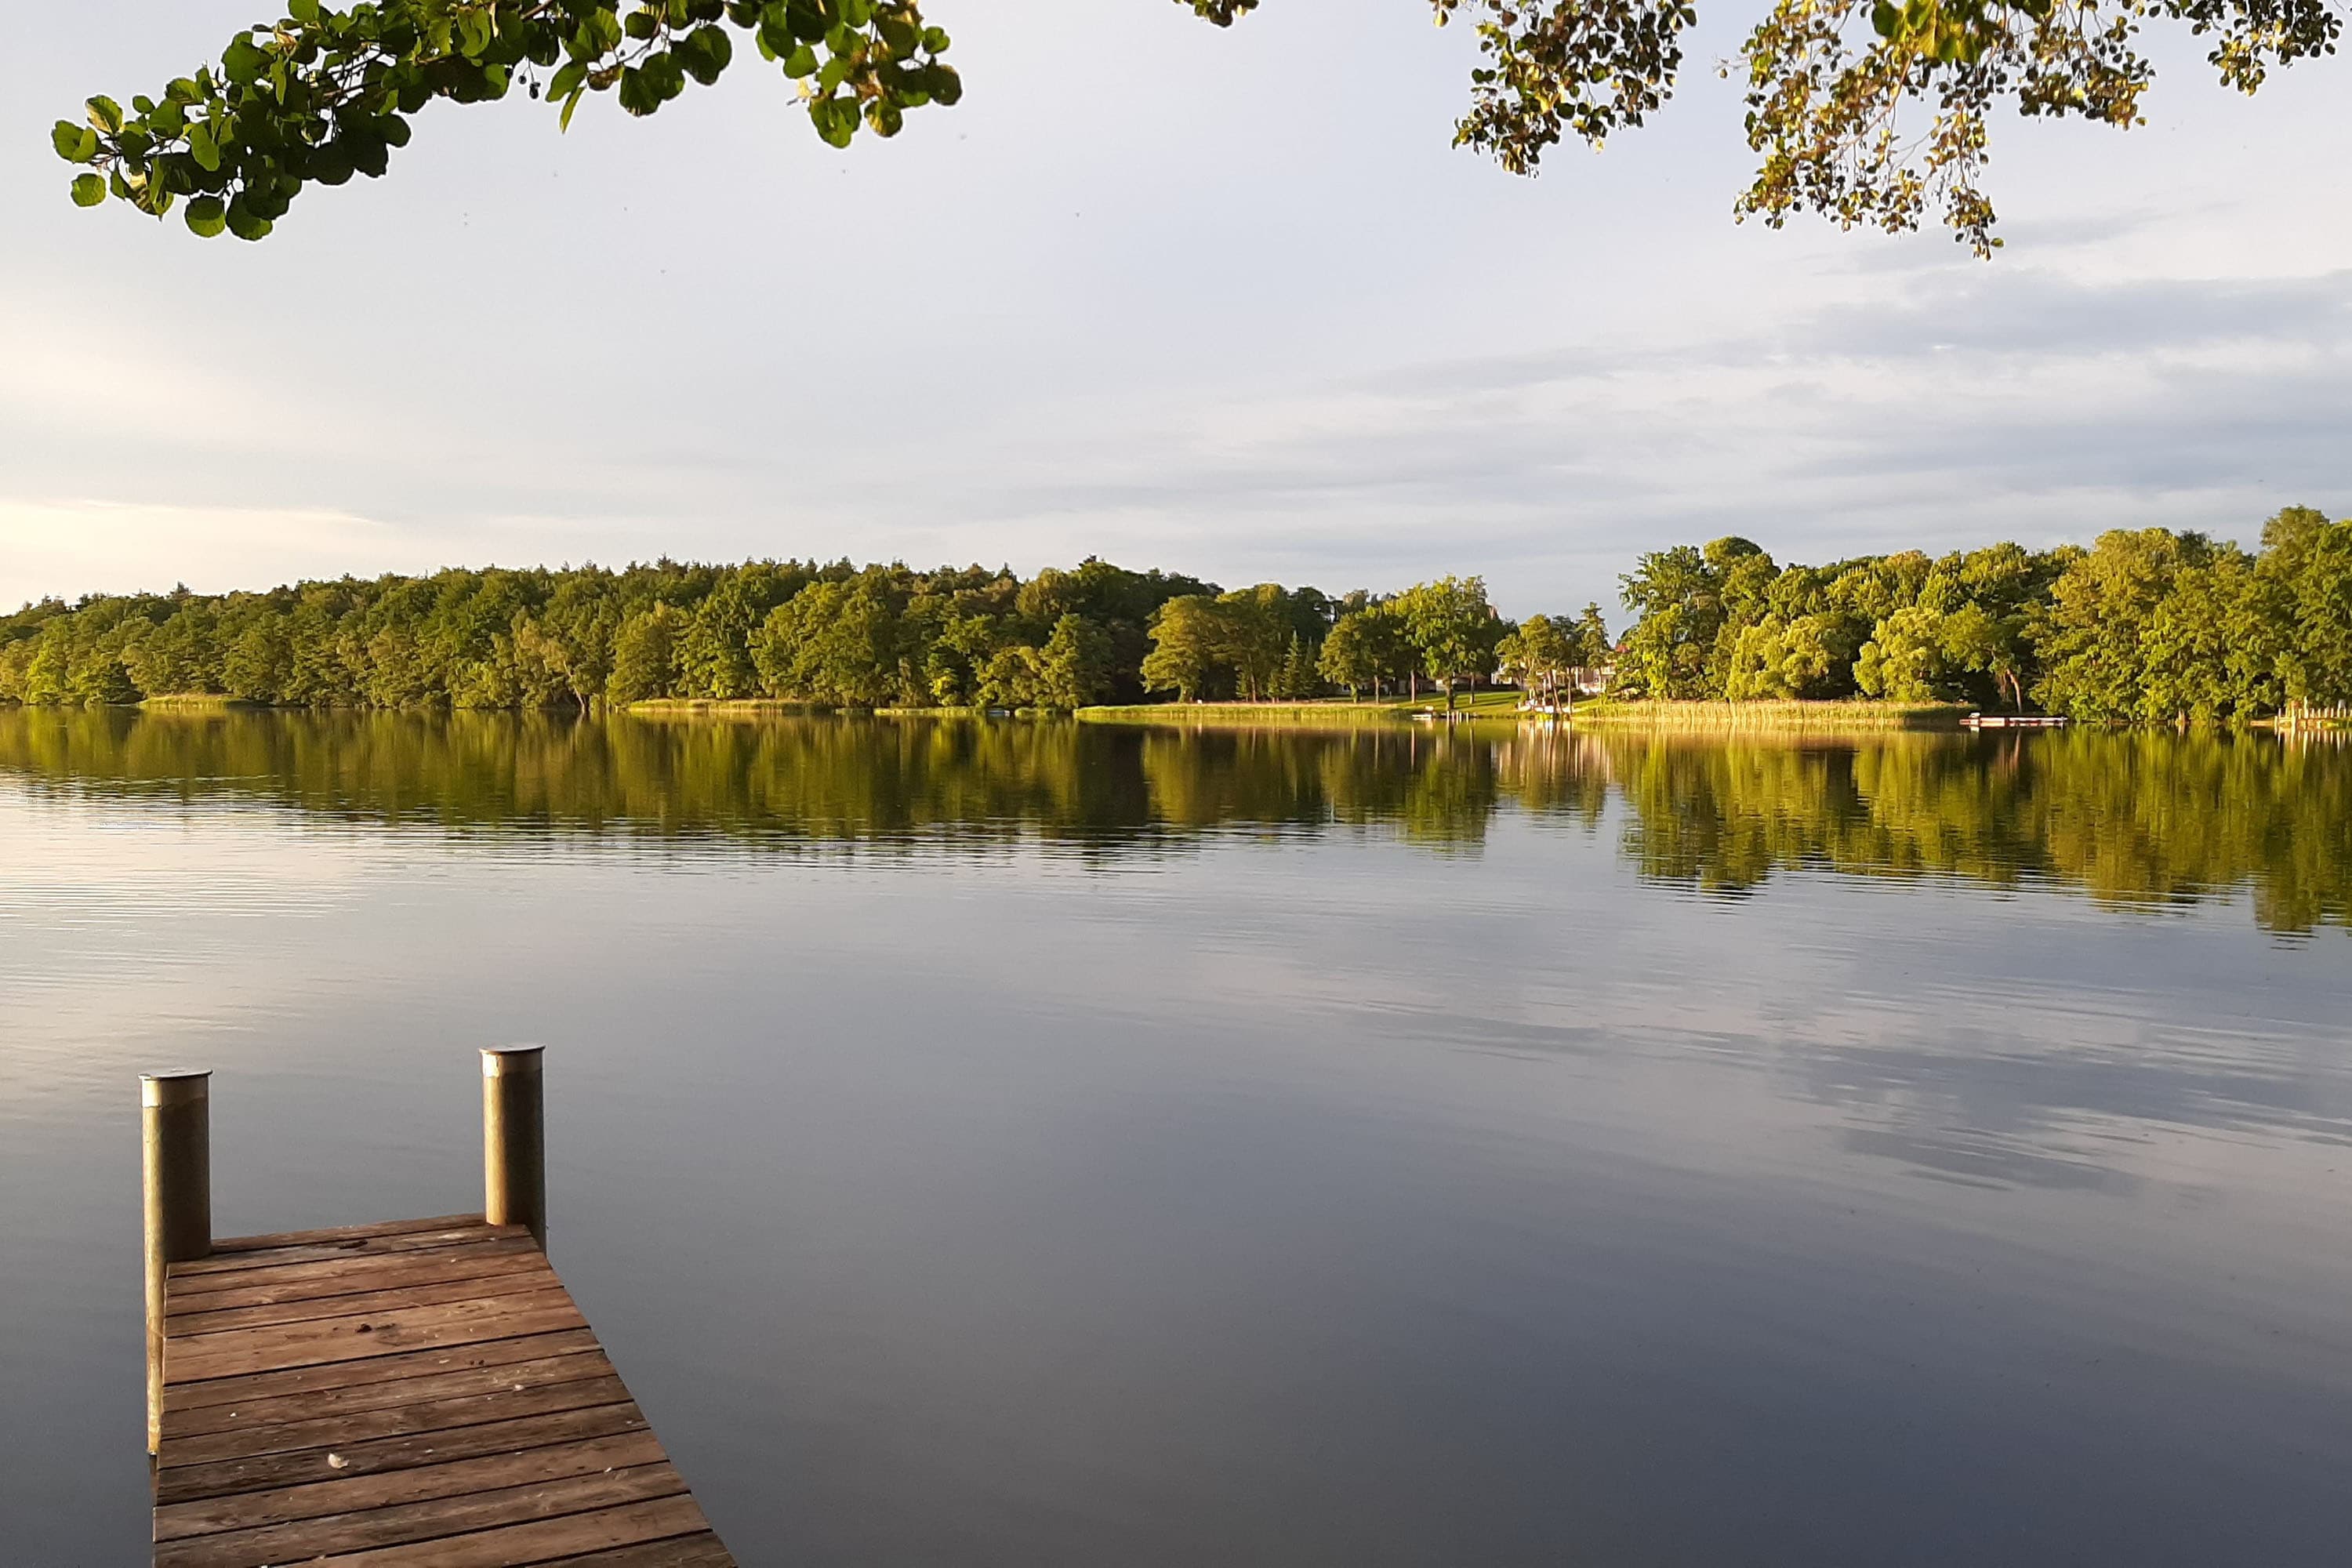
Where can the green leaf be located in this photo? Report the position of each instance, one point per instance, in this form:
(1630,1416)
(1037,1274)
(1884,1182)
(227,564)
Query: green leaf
(570,104)
(75,143)
(366,151)
(89,190)
(331,164)
(105,114)
(704,53)
(202,147)
(206,217)
(303,11)
(242,62)
(245,222)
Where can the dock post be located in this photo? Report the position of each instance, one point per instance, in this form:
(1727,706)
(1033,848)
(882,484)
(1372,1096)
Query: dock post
(176,1126)
(514,1138)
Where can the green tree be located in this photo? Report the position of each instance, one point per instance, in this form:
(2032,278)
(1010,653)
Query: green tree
(1454,628)
(644,655)
(1903,659)
(260,662)
(1074,667)
(1188,642)
(1352,656)
(1593,648)
(1255,629)
(1676,598)
(1540,653)
(2091,635)
(1299,679)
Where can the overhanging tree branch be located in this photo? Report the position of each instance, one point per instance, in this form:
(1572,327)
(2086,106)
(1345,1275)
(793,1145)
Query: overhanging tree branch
(1836,89)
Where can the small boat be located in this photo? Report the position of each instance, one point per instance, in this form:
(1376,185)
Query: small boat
(2015,721)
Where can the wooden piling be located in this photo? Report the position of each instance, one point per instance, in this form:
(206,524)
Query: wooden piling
(177,1181)
(514,1138)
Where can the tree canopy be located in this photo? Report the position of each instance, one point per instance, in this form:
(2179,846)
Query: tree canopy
(1863,111)
(2146,624)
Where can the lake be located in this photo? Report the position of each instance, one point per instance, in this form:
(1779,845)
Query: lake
(1040,1142)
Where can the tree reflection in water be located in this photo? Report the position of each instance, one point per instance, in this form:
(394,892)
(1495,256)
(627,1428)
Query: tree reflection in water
(2132,819)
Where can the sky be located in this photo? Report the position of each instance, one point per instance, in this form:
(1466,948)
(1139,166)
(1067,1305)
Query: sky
(1223,301)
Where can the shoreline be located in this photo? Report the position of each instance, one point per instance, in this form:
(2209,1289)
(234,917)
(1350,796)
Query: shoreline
(1490,710)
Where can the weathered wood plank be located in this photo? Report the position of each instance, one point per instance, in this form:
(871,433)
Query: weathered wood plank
(580,1365)
(358,1247)
(358,1339)
(458,1478)
(406,1524)
(685,1551)
(344,1429)
(265,1472)
(419,1393)
(363,1303)
(344,1233)
(347,1277)
(344,1374)
(628,1525)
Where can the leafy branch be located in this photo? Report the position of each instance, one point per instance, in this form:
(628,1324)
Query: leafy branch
(1833,86)
(323,94)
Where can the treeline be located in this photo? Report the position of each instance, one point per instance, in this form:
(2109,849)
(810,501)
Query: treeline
(835,635)
(2147,625)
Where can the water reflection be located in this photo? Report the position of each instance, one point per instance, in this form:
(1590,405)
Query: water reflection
(2133,819)
(1433,1192)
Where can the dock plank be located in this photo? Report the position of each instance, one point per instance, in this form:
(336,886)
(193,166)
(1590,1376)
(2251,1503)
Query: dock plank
(408,1523)
(475,1235)
(308,1379)
(292,1283)
(247,1350)
(342,1429)
(632,1525)
(573,1366)
(206,1516)
(365,1303)
(402,1394)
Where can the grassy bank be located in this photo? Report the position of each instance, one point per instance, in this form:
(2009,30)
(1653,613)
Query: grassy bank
(1330,715)
(1503,707)
(200,702)
(732,708)
(1787,717)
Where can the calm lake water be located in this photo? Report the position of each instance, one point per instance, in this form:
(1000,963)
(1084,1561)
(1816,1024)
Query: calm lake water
(1034,1143)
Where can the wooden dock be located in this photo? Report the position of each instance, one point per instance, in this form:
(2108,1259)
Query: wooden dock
(395,1395)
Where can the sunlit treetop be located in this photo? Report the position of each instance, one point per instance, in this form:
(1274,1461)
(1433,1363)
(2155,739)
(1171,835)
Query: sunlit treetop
(1865,111)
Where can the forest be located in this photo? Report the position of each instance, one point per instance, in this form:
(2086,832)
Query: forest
(832,635)
(2145,625)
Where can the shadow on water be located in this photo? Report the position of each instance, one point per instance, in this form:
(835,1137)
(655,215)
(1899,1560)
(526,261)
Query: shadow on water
(2134,820)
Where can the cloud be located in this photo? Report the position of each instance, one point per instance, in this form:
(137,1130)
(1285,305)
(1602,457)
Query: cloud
(1254,323)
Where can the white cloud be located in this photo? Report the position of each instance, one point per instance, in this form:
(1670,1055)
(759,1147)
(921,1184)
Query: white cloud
(1234,318)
